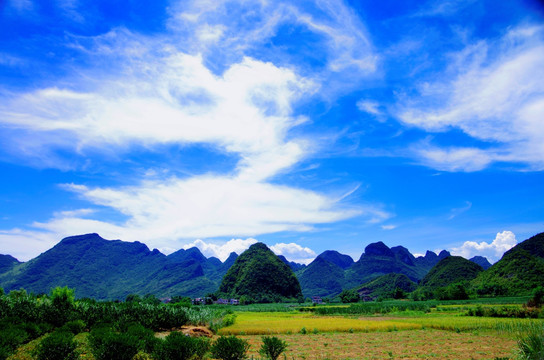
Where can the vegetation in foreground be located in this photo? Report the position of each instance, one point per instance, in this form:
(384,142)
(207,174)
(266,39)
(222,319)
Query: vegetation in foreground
(59,327)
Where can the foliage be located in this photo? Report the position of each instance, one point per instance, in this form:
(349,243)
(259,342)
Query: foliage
(538,298)
(504,312)
(109,345)
(372,308)
(178,346)
(258,273)
(75,327)
(456,291)
(531,346)
(58,345)
(229,348)
(272,347)
(349,296)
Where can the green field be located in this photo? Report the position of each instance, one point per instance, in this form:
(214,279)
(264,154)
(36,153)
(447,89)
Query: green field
(378,330)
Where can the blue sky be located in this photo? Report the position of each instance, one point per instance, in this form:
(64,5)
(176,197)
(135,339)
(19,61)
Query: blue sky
(307,125)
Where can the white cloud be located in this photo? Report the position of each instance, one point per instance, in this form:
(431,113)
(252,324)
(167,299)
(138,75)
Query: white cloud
(493,93)
(194,86)
(369,106)
(503,242)
(294,252)
(24,244)
(389,227)
(344,42)
(246,111)
(222,251)
(211,206)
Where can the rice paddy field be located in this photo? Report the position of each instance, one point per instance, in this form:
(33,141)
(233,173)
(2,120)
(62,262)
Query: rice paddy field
(445,332)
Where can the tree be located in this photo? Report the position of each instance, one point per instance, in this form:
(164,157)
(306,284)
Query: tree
(349,296)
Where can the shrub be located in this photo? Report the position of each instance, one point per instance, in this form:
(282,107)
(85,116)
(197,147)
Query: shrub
(178,346)
(58,345)
(108,345)
(146,337)
(531,347)
(303,331)
(75,327)
(230,348)
(4,353)
(272,347)
(11,337)
(538,298)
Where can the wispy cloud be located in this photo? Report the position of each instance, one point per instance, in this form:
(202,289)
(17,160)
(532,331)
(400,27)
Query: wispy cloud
(493,94)
(388,227)
(458,211)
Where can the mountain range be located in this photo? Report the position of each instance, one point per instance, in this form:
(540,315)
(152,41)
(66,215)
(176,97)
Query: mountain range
(112,269)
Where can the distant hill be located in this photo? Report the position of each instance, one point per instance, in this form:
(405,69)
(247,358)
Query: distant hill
(450,270)
(378,259)
(7,262)
(332,272)
(260,275)
(112,269)
(321,278)
(431,259)
(293,265)
(386,285)
(340,260)
(482,261)
(520,270)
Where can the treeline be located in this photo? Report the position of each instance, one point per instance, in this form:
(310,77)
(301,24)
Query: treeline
(24,317)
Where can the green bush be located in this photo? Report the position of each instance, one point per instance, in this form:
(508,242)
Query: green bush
(12,336)
(4,353)
(58,345)
(230,348)
(109,345)
(531,347)
(272,347)
(178,346)
(75,327)
(146,337)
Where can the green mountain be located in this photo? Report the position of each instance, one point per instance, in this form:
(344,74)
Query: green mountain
(340,260)
(386,286)
(450,270)
(520,270)
(482,261)
(332,272)
(321,278)
(293,265)
(112,269)
(260,275)
(7,262)
(378,259)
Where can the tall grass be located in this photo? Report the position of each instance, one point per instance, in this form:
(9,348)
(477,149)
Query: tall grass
(372,308)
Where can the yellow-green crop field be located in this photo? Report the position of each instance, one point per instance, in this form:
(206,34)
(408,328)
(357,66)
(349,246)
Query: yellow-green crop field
(441,334)
(263,323)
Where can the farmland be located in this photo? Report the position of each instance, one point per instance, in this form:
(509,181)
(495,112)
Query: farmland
(443,332)
(378,330)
